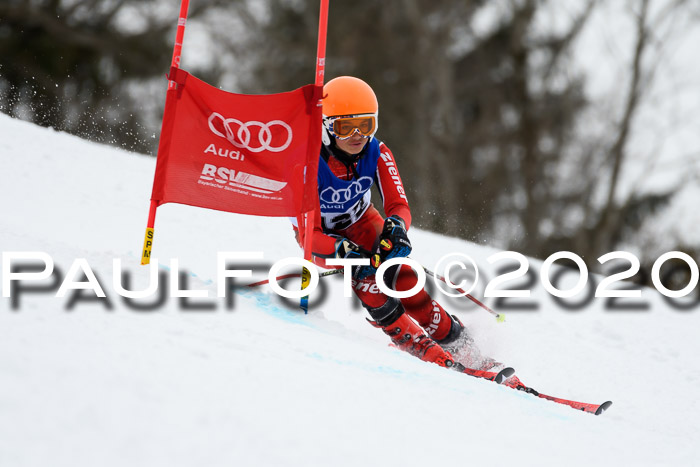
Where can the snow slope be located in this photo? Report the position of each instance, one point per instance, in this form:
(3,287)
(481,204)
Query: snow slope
(262,384)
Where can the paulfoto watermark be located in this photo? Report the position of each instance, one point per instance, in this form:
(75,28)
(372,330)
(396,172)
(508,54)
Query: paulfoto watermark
(26,273)
(515,284)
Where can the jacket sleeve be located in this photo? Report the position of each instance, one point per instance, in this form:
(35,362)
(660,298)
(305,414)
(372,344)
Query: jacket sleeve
(391,187)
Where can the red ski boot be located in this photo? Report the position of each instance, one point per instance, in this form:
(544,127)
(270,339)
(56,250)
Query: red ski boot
(461,346)
(408,336)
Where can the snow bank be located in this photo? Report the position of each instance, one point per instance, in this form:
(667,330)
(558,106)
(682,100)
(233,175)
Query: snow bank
(83,382)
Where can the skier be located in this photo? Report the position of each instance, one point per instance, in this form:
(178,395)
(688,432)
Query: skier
(349,226)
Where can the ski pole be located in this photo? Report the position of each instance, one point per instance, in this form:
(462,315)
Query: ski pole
(295,274)
(499,317)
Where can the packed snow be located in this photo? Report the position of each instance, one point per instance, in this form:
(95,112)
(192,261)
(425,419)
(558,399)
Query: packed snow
(254,381)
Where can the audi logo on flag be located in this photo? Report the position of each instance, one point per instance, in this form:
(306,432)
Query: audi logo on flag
(343,195)
(253,136)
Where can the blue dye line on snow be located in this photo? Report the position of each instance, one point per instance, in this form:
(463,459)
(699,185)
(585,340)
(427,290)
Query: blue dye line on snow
(265,304)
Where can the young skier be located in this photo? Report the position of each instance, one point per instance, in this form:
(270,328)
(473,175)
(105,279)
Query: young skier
(348,225)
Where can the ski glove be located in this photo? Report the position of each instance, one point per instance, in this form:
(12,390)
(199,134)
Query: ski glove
(345,248)
(393,241)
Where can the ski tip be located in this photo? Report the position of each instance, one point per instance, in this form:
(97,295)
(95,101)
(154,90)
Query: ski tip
(504,374)
(603,407)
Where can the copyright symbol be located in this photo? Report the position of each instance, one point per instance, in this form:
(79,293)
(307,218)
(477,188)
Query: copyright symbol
(453,264)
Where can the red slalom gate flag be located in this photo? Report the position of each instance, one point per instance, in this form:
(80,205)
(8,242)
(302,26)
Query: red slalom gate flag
(239,153)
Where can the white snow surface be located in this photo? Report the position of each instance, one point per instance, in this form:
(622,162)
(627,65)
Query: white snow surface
(263,384)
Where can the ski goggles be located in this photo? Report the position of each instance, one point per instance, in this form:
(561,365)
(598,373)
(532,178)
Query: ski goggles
(344,127)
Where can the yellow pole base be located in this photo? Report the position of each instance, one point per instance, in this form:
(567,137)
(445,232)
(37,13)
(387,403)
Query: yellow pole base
(147,245)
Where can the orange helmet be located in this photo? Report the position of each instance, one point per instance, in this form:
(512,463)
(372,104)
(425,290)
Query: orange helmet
(346,95)
(349,106)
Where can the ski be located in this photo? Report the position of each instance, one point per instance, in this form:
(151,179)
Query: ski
(595,409)
(497,378)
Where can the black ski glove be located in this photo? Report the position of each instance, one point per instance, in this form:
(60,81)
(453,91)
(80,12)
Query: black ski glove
(345,248)
(393,241)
